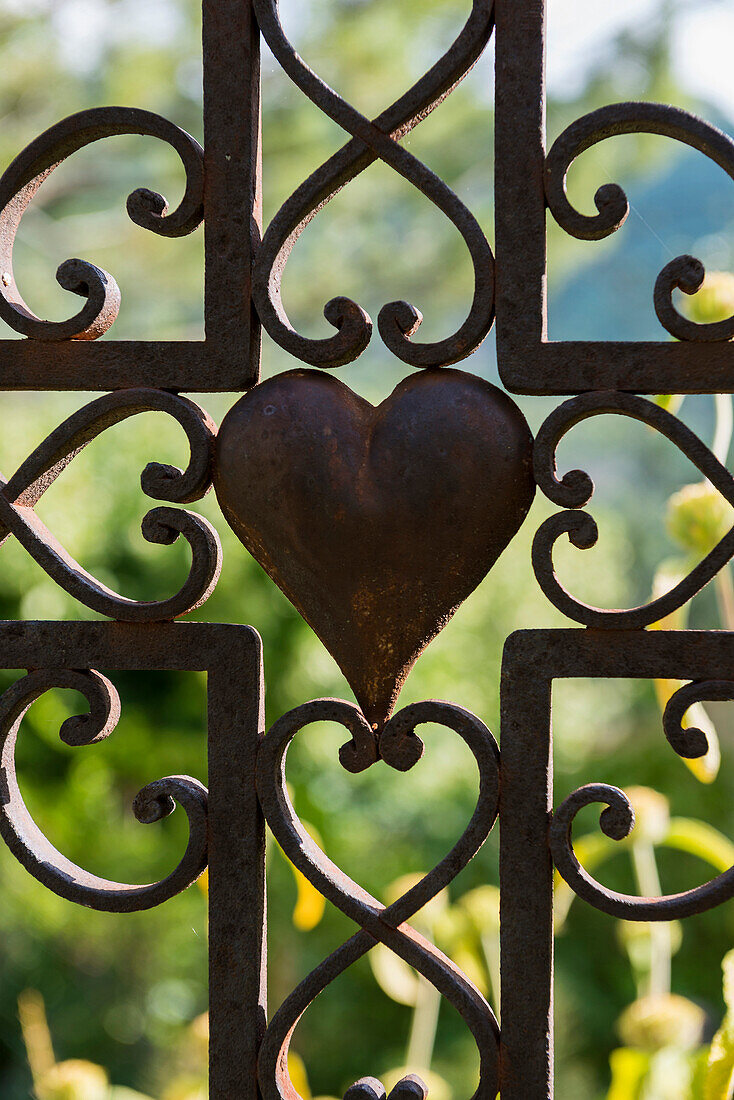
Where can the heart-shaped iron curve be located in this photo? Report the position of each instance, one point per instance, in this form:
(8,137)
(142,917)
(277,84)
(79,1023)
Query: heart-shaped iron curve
(397,745)
(376,522)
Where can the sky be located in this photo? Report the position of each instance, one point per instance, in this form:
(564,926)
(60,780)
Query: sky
(702,43)
(578,34)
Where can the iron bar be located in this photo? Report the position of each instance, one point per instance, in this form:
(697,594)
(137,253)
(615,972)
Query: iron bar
(376,522)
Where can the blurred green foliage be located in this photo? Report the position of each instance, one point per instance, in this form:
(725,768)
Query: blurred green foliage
(124,992)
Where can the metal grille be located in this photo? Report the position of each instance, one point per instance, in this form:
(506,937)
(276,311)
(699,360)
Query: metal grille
(348,587)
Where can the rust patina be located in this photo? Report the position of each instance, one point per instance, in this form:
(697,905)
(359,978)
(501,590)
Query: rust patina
(376,522)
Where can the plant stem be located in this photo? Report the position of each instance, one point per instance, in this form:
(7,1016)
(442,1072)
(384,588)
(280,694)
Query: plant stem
(725,597)
(648,882)
(724,427)
(36,1035)
(423,1027)
(491,949)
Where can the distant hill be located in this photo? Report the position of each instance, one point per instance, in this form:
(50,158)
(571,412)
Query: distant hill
(689,204)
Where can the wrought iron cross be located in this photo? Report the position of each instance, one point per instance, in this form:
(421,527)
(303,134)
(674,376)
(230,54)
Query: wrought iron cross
(376,522)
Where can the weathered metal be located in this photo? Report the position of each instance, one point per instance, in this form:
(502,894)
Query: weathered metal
(398,321)
(163,525)
(533,836)
(223,182)
(576,488)
(21,181)
(528,183)
(684,272)
(377,523)
(399,747)
(227,824)
(154,802)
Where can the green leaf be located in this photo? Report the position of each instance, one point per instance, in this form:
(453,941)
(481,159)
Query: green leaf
(671,402)
(727,965)
(483,906)
(74,1079)
(714,301)
(702,840)
(698,517)
(590,851)
(720,1069)
(122,1093)
(719,1078)
(699,1069)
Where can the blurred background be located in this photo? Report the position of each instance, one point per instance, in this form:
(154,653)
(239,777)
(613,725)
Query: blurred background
(96,1006)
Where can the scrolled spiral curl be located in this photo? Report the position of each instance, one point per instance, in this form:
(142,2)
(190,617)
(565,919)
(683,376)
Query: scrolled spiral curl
(690,742)
(22,179)
(574,489)
(162,525)
(373,139)
(684,273)
(153,803)
(617,822)
(400,748)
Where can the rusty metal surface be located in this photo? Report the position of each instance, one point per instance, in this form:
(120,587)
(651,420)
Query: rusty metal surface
(528,183)
(684,273)
(161,525)
(376,522)
(618,819)
(154,802)
(399,746)
(226,827)
(372,140)
(575,488)
(236,849)
(20,182)
(532,834)
(223,185)
(232,198)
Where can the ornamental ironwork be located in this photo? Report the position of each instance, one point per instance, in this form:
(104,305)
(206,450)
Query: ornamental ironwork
(376,523)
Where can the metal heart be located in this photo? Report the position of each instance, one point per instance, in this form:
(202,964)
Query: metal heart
(376,523)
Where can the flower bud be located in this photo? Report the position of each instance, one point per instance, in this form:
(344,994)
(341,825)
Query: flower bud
(699,517)
(74,1080)
(714,301)
(662,1020)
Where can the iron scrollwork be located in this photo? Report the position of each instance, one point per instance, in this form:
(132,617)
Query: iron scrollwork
(684,273)
(162,525)
(618,820)
(399,747)
(153,803)
(372,140)
(148,209)
(236,285)
(689,741)
(575,489)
